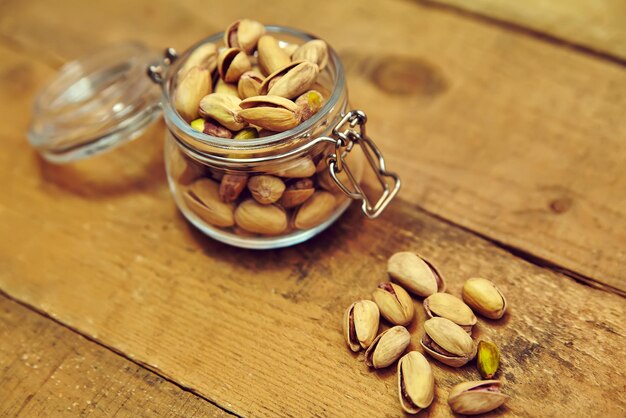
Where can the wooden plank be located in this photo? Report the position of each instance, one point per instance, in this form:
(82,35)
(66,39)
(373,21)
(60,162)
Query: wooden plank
(47,370)
(598,25)
(504,128)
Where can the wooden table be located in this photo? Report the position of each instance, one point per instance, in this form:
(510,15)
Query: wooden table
(506,121)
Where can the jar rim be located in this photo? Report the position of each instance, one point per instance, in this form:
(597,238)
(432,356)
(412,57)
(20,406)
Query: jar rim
(172,116)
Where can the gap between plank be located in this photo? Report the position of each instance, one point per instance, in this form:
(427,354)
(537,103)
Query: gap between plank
(528,31)
(114,350)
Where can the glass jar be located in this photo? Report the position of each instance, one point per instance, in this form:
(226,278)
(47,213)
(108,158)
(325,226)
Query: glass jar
(272,191)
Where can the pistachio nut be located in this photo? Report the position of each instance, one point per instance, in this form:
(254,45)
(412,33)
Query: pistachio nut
(299,168)
(416,383)
(182,168)
(247,133)
(484,297)
(244,34)
(387,347)
(231,186)
(224,109)
(249,84)
(202,197)
(271,55)
(273,113)
(309,104)
(476,397)
(487,359)
(450,307)
(290,81)
(315,210)
(296,193)
(290,48)
(211,128)
(232,63)
(447,342)
(266,189)
(260,219)
(415,273)
(394,303)
(205,56)
(227,88)
(360,324)
(315,51)
(192,87)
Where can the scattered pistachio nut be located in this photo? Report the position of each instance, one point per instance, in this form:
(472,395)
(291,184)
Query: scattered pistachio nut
(394,303)
(205,56)
(244,34)
(290,81)
(416,383)
(224,109)
(315,51)
(296,193)
(226,88)
(202,197)
(249,84)
(260,219)
(211,128)
(415,273)
(476,397)
(484,297)
(315,210)
(387,347)
(192,87)
(273,113)
(447,342)
(231,186)
(487,359)
(266,189)
(450,307)
(232,63)
(271,56)
(360,324)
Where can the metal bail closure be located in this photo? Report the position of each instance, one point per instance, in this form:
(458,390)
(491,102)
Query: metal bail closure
(345,138)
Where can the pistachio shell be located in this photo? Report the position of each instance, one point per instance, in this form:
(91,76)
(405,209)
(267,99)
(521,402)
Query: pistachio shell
(415,273)
(297,193)
(261,219)
(387,347)
(360,324)
(487,359)
(227,88)
(182,168)
(315,210)
(394,303)
(249,84)
(202,197)
(476,397)
(270,112)
(271,55)
(266,189)
(450,307)
(309,104)
(290,81)
(231,186)
(244,34)
(300,168)
(416,383)
(315,51)
(232,63)
(447,342)
(204,56)
(211,128)
(224,109)
(484,297)
(192,87)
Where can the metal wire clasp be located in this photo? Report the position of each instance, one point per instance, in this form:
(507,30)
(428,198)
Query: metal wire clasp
(156,72)
(345,138)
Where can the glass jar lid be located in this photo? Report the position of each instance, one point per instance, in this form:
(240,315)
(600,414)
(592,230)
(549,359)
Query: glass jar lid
(95,103)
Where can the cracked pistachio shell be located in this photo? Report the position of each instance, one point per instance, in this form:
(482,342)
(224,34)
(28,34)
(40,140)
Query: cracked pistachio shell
(315,210)
(232,63)
(266,189)
(476,397)
(227,88)
(450,307)
(182,168)
(244,34)
(416,383)
(260,219)
(447,342)
(202,197)
(315,51)
(290,81)
(484,297)
(415,273)
(223,108)
(394,303)
(300,168)
(231,186)
(360,324)
(487,359)
(297,192)
(271,56)
(273,113)
(205,56)
(249,84)
(387,347)
(192,87)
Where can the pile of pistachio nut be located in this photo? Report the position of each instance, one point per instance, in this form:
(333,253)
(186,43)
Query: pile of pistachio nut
(253,87)
(446,338)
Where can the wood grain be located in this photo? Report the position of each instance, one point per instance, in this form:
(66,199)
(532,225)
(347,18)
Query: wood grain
(598,25)
(47,370)
(510,136)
